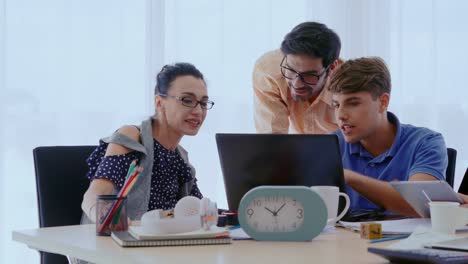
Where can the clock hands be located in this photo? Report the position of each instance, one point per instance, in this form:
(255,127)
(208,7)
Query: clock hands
(275,213)
(269,210)
(280,209)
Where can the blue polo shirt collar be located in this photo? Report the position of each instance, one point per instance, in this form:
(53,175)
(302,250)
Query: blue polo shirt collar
(358,149)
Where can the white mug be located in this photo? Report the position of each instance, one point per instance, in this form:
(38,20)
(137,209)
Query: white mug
(446,217)
(330,195)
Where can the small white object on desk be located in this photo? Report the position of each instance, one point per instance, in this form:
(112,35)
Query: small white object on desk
(208,213)
(238,234)
(190,214)
(446,217)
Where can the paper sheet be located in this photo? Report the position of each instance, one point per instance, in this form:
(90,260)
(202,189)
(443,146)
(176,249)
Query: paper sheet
(394,227)
(239,234)
(420,237)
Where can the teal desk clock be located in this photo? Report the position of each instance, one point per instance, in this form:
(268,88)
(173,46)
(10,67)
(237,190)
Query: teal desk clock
(282,213)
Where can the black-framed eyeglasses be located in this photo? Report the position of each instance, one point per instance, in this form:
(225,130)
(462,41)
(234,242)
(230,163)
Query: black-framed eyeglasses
(308,78)
(191,102)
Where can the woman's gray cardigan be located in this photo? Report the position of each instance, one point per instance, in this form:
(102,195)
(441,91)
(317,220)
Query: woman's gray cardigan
(138,198)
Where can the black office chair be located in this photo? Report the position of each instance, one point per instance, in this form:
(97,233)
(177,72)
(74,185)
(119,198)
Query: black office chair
(60,185)
(452,160)
(464,184)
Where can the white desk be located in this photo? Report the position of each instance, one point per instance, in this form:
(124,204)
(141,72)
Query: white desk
(81,242)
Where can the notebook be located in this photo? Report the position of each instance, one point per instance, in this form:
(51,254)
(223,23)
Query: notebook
(125,239)
(213,232)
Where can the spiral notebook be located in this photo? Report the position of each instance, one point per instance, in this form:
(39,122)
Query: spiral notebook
(125,239)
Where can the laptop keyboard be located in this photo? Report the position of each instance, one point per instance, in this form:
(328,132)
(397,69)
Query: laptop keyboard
(425,255)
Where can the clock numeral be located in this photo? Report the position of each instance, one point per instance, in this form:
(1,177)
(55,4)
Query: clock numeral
(300,213)
(250,212)
(258,203)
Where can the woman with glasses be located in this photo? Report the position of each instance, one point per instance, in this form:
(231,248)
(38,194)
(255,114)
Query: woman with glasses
(181,104)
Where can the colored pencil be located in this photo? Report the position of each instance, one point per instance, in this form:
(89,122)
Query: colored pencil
(123,193)
(116,217)
(389,238)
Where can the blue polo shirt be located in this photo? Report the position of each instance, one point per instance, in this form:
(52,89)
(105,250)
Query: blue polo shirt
(414,150)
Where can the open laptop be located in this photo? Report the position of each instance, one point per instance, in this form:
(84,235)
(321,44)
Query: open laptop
(251,160)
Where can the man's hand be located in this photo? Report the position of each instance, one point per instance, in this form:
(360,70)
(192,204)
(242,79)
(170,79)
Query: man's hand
(464,198)
(348,175)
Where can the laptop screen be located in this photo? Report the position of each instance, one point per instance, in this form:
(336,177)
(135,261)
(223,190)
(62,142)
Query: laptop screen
(251,160)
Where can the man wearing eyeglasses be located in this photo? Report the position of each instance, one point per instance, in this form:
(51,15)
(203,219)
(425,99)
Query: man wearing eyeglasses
(288,83)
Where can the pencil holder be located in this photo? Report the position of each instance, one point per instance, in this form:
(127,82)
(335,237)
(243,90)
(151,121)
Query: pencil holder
(111,214)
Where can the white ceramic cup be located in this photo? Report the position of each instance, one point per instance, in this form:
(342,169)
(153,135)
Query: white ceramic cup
(330,195)
(446,217)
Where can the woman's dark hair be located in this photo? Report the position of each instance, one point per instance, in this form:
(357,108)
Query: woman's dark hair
(170,72)
(313,39)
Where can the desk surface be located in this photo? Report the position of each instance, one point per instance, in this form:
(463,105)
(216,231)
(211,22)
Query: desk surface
(342,246)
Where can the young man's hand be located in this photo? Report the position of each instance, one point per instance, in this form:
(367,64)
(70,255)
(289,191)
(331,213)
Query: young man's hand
(465,199)
(348,174)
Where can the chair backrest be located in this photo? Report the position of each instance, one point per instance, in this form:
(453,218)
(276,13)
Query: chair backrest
(60,186)
(452,160)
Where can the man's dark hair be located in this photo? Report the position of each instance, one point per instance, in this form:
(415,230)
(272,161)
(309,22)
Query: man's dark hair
(369,74)
(313,39)
(170,72)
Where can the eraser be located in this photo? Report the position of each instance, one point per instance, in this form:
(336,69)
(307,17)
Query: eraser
(371,230)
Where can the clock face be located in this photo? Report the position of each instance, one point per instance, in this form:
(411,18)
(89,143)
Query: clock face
(274,214)
(282,213)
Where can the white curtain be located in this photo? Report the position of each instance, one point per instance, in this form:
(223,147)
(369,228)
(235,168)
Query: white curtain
(73,71)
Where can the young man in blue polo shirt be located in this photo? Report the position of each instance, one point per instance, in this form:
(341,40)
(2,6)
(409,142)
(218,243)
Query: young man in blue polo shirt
(375,146)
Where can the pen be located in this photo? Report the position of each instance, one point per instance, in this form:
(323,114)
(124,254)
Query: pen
(427,196)
(388,238)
